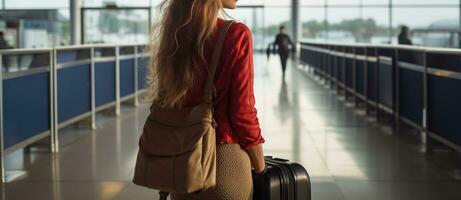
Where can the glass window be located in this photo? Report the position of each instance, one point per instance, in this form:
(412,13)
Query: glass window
(253,18)
(312,2)
(37,28)
(62,28)
(376,25)
(376,2)
(426,2)
(250,2)
(156,2)
(344,24)
(312,23)
(343,2)
(274,17)
(116,26)
(36,4)
(119,3)
(277,2)
(429,26)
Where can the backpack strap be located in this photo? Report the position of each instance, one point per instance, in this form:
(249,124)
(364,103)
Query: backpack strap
(209,87)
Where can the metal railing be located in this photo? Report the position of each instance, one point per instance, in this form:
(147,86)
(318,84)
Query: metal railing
(43,90)
(415,85)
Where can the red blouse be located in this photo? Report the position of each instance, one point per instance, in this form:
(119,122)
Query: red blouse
(235,111)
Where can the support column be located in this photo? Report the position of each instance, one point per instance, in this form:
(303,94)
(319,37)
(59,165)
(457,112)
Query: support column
(54,102)
(295,6)
(391,21)
(117,81)
(75,21)
(93,91)
(2,153)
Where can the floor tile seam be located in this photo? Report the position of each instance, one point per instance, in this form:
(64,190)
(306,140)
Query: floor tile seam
(317,149)
(324,160)
(335,181)
(101,127)
(319,154)
(338,97)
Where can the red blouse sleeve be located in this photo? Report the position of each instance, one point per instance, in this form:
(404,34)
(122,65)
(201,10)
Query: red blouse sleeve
(243,116)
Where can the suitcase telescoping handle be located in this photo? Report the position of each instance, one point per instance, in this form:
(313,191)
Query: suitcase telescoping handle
(281,159)
(276,159)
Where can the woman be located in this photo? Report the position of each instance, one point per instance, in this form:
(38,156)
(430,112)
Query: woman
(283,43)
(186,34)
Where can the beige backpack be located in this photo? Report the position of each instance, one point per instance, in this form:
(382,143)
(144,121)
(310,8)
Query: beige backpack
(177,149)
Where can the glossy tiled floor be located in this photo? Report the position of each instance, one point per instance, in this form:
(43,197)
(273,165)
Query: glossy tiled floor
(347,155)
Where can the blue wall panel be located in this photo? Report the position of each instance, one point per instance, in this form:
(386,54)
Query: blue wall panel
(26,107)
(66,56)
(372,81)
(386,90)
(104,82)
(142,72)
(341,70)
(411,95)
(127,84)
(360,77)
(349,72)
(74,91)
(444,107)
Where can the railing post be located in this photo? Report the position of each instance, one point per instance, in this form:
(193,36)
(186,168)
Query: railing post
(365,90)
(2,152)
(425,134)
(54,102)
(117,80)
(136,97)
(343,75)
(330,66)
(377,84)
(354,76)
(396,92)
(93,90)
(51,83)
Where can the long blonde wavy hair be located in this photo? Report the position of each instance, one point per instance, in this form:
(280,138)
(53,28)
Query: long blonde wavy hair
(177,46)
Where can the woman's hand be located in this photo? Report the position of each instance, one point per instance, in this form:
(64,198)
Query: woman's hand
(257,158)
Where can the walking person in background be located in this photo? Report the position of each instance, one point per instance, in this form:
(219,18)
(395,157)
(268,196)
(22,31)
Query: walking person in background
(283,43)
(404,36)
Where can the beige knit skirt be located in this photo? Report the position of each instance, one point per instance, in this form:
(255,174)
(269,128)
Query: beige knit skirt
(233,176)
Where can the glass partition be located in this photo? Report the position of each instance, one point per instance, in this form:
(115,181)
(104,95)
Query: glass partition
(313,24)
(36,4)
(254,19)
(131,3)
(274,17)
(429,26)
(433,23)
(345,25)
(35,28)
(377,28)
(425,2)
(115,26)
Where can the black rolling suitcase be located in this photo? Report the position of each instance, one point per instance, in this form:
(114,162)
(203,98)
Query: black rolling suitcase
(283,180)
